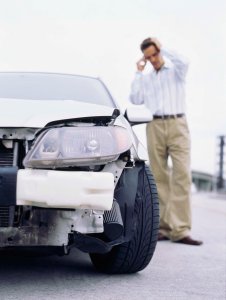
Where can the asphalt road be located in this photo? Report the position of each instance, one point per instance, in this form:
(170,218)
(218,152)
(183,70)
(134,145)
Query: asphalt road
(175,272)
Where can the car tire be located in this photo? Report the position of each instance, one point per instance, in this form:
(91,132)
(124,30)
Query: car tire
(135,255)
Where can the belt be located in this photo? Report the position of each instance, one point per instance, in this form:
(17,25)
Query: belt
(168,116)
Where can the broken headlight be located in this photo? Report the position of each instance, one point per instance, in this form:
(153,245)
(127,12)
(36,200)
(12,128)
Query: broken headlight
(78,146)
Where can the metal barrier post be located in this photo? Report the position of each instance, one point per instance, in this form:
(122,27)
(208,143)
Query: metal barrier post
(220,177)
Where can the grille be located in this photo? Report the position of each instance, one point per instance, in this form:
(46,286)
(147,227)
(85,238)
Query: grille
(6,159)
(6,156)
(6,216)
(6,212)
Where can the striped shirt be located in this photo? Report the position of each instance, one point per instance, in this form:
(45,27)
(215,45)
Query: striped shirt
(163,91)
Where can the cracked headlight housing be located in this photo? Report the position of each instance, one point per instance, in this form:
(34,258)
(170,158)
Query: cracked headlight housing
(78,146)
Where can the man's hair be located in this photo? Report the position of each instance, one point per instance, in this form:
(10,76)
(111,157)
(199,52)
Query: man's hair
(147,43)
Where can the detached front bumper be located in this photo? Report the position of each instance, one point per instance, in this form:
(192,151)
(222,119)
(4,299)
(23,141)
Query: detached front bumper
(65,189)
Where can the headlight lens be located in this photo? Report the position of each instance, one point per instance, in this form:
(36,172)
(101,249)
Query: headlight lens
(76,146)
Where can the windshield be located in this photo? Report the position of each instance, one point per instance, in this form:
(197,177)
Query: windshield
(47,86)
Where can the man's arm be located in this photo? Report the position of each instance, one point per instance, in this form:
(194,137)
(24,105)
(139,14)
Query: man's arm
(180,63)
(137,89)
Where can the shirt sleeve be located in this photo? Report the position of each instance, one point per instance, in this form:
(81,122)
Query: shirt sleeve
(137,89)
(180,63)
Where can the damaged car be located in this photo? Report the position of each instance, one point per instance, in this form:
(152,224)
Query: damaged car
(73,172)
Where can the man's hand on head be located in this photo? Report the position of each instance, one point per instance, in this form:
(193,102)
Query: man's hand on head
(157,43)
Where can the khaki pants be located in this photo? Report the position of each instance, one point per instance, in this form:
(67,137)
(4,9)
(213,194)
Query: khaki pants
(170,137)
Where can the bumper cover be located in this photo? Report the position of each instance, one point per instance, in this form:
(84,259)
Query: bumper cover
(65,189)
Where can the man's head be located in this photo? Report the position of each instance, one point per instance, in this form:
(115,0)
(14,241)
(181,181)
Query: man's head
(152,53)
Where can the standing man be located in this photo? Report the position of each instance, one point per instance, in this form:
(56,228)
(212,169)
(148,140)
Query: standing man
(163,92)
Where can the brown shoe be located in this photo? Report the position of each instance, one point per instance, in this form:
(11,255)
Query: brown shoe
(189,241)
(162,237)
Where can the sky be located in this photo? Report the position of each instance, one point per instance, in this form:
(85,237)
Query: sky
(101,38)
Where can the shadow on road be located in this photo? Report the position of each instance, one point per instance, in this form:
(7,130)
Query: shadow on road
(25,261)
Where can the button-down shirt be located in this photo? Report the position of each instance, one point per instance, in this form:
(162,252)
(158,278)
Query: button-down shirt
(162,91)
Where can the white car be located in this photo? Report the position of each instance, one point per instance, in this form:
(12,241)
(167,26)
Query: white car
(73,173)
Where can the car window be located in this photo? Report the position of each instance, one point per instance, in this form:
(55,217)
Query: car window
(47,86)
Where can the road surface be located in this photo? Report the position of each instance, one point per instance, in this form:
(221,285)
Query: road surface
(175,272)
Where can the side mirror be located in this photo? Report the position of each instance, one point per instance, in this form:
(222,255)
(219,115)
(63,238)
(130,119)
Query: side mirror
(138,114)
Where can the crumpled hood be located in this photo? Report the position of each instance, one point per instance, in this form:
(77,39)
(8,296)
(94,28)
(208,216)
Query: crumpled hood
(38,113)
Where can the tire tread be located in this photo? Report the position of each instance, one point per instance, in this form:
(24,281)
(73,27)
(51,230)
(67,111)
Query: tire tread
(136,254)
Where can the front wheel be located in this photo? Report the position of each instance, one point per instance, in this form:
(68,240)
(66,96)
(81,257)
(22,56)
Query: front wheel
(135,255)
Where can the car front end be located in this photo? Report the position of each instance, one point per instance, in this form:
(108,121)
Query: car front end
(68,168)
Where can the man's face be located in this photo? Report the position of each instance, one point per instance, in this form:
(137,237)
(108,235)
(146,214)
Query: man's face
(154,56)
